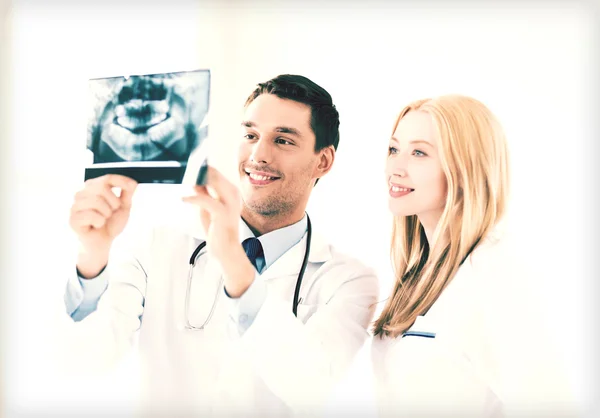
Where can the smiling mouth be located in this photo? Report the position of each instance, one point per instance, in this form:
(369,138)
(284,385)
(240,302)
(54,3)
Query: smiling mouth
(260,178)
(397,189)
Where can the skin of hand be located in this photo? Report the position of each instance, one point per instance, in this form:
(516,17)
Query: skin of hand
(98,216)
(220,207)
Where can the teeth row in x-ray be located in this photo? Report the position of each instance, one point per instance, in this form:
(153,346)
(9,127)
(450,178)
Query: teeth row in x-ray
(138,116)
(159,140)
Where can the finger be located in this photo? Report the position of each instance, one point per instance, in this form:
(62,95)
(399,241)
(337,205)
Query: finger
(100,189)
(112,197)
(110,181)
(84,220)
(226,191)
(114,180)
(205,201)
(95,202)
(127,196)
(205,219)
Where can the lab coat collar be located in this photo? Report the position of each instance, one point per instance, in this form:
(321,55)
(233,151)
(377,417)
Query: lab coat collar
(290,263)
(277,242)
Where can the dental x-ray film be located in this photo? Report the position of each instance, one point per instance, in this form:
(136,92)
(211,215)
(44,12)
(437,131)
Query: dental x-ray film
(149,127)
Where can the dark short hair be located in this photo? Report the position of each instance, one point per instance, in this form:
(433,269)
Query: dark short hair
(324,119)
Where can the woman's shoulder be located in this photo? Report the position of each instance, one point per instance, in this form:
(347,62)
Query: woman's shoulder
(500,252)
(495,277)
(502,279)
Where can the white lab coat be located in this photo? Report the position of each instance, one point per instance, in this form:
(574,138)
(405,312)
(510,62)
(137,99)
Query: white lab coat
(281,366)
(489,357)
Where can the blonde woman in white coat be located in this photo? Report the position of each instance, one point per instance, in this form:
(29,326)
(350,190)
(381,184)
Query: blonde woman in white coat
(457,336)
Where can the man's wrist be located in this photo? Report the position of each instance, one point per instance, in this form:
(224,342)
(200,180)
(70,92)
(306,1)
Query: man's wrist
(239,273)
(90,265)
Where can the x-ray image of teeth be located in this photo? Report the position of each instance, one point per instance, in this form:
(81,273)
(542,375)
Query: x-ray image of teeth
(147,126)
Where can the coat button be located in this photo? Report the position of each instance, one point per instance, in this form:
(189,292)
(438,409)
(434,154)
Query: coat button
(243,318)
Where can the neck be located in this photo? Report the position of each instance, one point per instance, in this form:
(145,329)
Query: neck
(261,225)
(429,222)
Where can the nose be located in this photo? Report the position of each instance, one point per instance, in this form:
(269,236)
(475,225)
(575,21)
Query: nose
(396,167)
(261,152)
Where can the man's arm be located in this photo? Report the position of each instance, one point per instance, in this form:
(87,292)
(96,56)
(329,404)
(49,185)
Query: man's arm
(99,214)
(105,292)
(101,335)
(301,362)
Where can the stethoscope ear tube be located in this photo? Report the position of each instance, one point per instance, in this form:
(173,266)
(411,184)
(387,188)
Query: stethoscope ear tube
(304,263)
(196,251)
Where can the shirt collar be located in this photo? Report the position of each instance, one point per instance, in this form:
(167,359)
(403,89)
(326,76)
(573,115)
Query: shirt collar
(278,242)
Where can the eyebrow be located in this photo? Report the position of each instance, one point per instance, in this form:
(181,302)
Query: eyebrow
(281,129)
(414,141)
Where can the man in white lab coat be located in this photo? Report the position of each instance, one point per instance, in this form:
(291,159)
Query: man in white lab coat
(225,330)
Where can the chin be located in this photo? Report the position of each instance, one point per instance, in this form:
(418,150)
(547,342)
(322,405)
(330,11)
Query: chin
(400,210)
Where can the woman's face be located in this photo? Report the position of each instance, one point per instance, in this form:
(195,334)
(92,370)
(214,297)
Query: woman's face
(416,182)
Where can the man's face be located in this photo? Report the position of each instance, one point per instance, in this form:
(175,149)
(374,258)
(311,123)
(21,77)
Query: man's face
(277,159)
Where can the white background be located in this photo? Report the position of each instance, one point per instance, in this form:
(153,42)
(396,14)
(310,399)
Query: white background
(531,64)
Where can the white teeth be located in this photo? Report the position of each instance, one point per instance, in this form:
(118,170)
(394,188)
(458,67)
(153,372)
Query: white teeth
(260,178)
(400,189)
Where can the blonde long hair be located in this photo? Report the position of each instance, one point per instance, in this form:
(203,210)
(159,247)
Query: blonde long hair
(474,158)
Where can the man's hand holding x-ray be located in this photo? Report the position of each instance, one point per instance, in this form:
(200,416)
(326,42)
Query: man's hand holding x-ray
(98,216)
(220,208)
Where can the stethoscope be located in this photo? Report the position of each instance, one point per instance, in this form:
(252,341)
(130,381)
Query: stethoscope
(193,260)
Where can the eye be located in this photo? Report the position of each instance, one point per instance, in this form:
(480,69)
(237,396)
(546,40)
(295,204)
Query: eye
(283,141)
(419,153)
(392,150)
(249,136)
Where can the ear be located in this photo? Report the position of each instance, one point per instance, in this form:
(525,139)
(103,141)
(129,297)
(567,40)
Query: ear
(326,158)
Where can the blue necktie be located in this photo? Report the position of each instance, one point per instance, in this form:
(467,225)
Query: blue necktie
(254,251)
